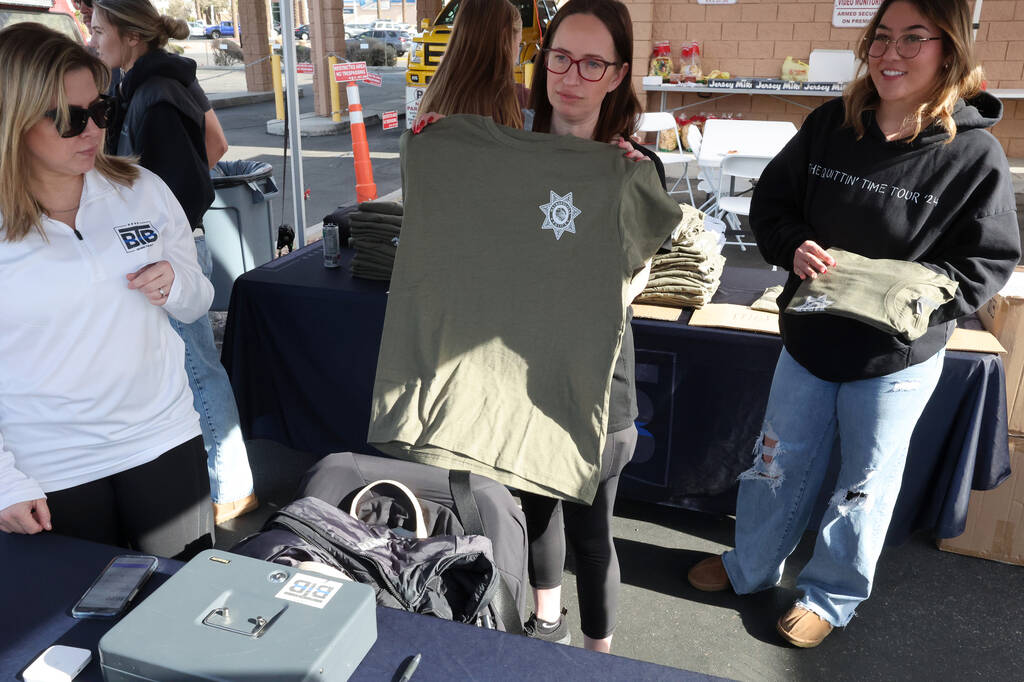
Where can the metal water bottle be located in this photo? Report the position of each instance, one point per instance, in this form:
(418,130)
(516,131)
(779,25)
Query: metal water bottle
(332,247)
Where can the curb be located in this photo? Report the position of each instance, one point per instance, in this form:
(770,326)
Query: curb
(321,126)
(236,100)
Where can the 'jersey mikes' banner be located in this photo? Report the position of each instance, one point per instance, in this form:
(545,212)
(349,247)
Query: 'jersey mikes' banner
(854,13)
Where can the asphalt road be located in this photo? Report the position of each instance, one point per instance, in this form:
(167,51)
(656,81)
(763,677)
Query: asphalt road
(328,170)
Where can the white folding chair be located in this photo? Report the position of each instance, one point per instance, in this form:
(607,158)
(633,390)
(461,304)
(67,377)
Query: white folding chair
(738,166)
(705,179)
(657,121)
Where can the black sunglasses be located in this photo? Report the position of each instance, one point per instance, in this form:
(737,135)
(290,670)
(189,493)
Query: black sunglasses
(101,112)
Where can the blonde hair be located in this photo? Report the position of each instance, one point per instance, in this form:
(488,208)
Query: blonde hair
(33,63)
(960,77)
(475,76)
(141,18)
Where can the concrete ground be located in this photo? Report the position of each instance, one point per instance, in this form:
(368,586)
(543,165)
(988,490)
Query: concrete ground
(933,615)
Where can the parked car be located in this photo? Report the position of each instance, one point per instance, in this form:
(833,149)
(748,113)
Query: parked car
(224,28)
(15,11)
(302,32)
(196,29)
(373,51)
(385,25)
(394,38)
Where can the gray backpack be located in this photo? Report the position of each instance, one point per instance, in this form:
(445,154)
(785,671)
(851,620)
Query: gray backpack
(448,576)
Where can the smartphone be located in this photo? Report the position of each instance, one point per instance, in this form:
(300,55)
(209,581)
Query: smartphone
(115,587)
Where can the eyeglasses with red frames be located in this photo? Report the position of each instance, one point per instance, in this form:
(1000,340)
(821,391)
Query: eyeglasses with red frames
(101,112)
(907,46)
(589,68)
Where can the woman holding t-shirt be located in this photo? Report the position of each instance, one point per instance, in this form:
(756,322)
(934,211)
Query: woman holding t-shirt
(582,90)
(916,120)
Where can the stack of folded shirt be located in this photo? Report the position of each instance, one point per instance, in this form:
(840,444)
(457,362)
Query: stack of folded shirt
(375,229)
(688,275)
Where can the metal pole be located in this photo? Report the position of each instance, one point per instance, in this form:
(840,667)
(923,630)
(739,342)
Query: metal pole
(292,112)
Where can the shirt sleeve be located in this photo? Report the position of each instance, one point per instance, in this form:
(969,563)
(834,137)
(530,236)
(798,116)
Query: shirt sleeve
(655,159)
(982,247)
(15,486)
(191,293)
(196,92)
(647,215)
(169,150)
(776,209)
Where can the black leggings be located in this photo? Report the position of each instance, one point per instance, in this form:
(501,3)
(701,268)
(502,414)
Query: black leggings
(161,507)
(588,529)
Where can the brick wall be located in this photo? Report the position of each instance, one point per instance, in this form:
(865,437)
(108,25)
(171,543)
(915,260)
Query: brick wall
(754,37)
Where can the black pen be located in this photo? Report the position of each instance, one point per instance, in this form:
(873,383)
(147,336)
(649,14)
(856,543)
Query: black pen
(410,668)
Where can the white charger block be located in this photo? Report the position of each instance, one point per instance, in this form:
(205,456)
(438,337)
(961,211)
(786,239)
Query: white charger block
(59,663)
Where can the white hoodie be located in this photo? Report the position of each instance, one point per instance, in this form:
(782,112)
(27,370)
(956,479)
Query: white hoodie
(92,376)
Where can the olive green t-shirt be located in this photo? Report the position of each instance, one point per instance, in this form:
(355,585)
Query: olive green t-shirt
(506,308)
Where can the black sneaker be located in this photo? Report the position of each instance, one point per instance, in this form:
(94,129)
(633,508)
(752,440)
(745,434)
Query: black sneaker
(557,632)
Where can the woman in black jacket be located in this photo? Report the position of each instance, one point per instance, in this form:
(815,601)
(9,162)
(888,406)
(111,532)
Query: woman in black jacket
(901,168)
(162,122)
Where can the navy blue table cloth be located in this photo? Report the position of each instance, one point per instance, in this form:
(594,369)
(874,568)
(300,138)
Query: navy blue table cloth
(42,576)
(301,348)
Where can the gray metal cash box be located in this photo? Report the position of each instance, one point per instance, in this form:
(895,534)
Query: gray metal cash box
(229,617)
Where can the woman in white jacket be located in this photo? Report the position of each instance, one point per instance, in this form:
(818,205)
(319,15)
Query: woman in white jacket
(98,437)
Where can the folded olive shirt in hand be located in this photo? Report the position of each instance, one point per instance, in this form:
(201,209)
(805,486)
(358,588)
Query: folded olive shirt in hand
(894,296)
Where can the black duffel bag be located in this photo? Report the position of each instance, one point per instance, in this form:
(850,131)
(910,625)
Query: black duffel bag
(422,555)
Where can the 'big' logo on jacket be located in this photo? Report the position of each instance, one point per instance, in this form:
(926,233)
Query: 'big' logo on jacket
(138,236)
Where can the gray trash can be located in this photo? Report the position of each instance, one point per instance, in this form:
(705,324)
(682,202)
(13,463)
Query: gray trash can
(238,224)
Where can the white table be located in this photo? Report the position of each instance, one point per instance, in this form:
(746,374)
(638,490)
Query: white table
(723,136)
(741,136)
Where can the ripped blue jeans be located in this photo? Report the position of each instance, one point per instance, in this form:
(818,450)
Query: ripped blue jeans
(874,419)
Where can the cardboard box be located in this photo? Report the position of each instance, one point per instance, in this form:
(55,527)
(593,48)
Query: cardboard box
(1004,317)
(995,518)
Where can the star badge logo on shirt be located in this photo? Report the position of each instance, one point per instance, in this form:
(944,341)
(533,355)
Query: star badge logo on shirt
(560,215)
(814,304)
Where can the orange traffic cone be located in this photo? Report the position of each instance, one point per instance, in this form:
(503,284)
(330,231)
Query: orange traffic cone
(365,187)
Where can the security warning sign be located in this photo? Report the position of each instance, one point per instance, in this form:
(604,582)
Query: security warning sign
(854,13)
(348,72)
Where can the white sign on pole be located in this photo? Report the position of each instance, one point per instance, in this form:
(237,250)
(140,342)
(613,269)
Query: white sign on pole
(854,13)
(413,95)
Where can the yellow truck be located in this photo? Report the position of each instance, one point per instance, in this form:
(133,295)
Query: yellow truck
(429,46)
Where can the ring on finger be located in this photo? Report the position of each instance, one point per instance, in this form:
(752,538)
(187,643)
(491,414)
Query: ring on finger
(161,290)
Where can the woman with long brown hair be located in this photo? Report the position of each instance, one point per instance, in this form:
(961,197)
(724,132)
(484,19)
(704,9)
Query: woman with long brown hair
(902,168)
(582,88)
(475,76)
